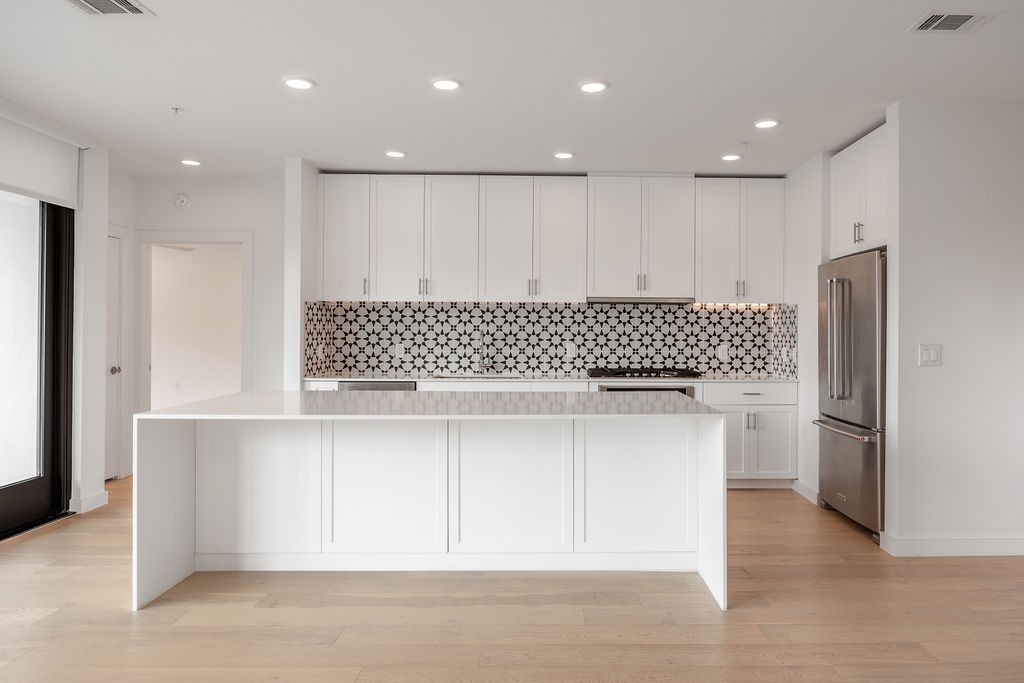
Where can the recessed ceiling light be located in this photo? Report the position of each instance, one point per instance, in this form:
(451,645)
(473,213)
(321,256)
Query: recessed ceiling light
(564,155)
(766,123)
(730,157)
(447,84)
(395,154)
(299,83)
(190,162)
(593,86)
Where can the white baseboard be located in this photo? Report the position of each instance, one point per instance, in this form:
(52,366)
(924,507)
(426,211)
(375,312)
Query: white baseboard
(806,491)
(82,504)
(950,547)
(674,562)
(759,483)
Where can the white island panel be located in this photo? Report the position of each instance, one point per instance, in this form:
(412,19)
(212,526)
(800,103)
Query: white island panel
(636,485)
(511,486)
(258,487)
(387,487)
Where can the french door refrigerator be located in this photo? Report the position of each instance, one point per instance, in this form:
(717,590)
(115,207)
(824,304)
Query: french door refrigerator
(851,387)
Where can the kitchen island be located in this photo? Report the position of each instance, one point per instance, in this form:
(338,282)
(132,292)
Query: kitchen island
(429,481)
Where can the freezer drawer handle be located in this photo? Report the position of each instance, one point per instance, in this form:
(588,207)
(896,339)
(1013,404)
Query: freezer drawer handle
(862,439)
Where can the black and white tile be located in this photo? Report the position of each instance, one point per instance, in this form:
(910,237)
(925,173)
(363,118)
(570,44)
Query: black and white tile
(547,338)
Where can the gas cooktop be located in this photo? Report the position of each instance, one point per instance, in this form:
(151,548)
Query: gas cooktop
(643,372)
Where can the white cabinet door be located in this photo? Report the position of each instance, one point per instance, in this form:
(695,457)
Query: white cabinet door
(451,238)
(718,239)
(559,239)
(847,171)
(736,438)
(876,189)
(614,224)
(668,237)
(506,238)
(386,483)
(861,181)
(637,503)
(396,238)
(773,455)
(511,486)
(762,202)
(258,486)
(345,226)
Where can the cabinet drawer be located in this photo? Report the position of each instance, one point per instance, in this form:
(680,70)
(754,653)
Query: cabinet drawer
(749,393)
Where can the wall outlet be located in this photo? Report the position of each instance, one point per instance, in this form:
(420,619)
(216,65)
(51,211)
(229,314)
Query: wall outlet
(397,351)
(569,350)
(723,352)
(929,355)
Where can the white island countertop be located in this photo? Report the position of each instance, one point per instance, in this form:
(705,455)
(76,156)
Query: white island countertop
(330,405)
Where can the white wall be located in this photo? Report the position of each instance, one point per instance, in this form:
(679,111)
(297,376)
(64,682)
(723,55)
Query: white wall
(301,262)
(254,205)
(957,485)
(122,193)
(196,323)
(806,223)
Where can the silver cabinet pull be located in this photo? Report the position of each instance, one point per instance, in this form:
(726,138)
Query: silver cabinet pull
(536,286)
(752,393)
(644,288)
(419,286)
(743,287)
(638,282)
(366,285)
(843,432)
(115,369)
(426,285)
(754,417)
(746,420)
(529,287)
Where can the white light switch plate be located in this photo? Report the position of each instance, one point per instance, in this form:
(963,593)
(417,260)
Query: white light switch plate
(929,355)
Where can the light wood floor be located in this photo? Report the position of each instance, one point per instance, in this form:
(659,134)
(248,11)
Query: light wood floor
(812,599)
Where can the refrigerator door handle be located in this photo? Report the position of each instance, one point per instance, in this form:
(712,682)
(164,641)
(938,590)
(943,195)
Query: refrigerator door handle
(830,329)
(842,432)
(842,344)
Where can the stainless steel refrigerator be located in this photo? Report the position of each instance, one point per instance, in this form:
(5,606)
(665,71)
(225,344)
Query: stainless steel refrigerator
(851,387)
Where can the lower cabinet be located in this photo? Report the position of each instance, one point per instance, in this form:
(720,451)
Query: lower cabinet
(510,484)
(386,483)
(760,441)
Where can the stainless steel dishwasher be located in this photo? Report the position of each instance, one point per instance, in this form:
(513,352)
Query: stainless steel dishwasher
(377,385)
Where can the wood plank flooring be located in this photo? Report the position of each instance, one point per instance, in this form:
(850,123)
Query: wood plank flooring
(812,598)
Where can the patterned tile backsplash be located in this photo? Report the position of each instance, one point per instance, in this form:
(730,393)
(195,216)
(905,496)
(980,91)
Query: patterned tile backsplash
(547,338)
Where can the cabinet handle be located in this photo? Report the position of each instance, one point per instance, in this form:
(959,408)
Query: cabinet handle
(366,285)
(743,287)
(419,286)
(751,393)
(737,288)
(754,416)
(645,283)
(638,282)
(536,286)
(746,420)
(426,285)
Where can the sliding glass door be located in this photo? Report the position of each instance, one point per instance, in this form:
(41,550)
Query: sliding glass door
(36,247)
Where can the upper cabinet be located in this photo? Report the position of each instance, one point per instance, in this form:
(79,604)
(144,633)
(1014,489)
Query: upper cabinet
(345,251)
(860,182)
(451,230)
(533,238)
(559,239)
(641,238)
(739,239)
(396,238)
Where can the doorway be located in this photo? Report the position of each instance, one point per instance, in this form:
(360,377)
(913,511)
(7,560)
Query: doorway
(195,322)
(36,280)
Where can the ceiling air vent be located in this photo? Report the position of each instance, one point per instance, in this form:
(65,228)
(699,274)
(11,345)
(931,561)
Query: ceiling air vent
(949,23)
(111,7)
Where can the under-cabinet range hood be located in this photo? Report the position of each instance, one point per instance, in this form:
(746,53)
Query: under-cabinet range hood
(640,300)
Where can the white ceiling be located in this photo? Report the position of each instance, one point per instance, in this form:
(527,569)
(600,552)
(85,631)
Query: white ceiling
(687,80)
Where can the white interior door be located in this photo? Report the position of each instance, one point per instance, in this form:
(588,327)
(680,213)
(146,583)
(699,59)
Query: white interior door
(114,375)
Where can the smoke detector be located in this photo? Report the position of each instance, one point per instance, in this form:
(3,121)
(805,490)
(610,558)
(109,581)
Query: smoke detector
(111,7)
(936,22)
